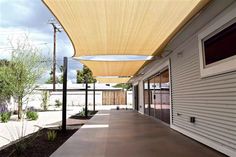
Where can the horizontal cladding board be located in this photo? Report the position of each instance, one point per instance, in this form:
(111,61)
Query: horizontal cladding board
(226,127)
(207,103)
(224,109)
(209,135)
(211,117)
(229,127)
(224,134)
(192,87)
(211,100)
(206,99)
(213,114)
(211,106)
(208,93)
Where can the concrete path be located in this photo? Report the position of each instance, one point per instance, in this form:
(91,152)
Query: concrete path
(14,129)
(129,134)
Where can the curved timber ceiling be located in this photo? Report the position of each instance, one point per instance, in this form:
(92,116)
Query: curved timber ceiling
(121,27)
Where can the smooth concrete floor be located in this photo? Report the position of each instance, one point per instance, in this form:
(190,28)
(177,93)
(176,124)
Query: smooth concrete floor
(129,134)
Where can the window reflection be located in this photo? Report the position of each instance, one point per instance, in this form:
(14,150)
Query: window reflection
(146,98)
(157,96)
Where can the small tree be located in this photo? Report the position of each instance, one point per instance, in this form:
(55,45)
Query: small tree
(45,98)
(58,103)
(85,72)
(5,85)
(26,66)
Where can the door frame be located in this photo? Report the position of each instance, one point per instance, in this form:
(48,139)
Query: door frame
(153,71)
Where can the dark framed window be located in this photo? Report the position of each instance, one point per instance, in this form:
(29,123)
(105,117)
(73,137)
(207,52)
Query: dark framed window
(220,46)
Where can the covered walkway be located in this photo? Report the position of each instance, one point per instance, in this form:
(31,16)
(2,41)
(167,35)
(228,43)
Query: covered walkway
(126,133)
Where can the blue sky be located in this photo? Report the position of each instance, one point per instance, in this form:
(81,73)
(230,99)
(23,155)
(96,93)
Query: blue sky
(30,17)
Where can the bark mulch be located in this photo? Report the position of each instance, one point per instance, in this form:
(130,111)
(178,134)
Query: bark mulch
(37,144)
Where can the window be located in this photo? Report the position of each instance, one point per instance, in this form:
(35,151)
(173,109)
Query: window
(220,46)
(217,46)
(157,96)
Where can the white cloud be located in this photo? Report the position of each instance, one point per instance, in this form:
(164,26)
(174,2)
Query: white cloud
(24,17)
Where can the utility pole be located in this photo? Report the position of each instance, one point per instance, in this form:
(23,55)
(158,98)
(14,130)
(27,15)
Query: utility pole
(55,30)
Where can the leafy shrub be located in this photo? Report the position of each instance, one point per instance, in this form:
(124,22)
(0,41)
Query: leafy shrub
(52,134)
(5,116)
(58,103)
(31,115)
(82,113)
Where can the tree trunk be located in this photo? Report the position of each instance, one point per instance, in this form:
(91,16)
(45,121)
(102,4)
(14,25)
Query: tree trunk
(19,107)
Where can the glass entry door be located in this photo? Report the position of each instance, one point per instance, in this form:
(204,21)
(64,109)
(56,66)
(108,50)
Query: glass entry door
(157,97)
(146,97)
(165,96)
(152,96)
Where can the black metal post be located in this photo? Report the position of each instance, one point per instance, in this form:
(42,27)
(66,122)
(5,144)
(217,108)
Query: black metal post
(86,97)
(94,96)
(64,94)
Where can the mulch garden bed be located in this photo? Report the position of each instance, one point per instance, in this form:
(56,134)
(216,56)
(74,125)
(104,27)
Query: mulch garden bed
(82,117)
(37,144)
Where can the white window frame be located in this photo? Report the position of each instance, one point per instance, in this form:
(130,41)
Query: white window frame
(224,65)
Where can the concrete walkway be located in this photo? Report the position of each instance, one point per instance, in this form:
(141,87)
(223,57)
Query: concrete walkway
(130,134)
(14,129)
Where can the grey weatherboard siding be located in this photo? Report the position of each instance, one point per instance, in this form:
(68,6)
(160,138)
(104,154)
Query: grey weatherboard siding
(211,100)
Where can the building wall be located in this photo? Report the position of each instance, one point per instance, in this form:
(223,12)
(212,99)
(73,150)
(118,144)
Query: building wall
(212,100)
(74,98)
(77,98)
(129,97)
